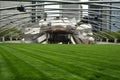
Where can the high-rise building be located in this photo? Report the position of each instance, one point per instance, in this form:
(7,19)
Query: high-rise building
(114,19)
(107,19)
(37,11)
(72,13)
(63,13)
(96,17)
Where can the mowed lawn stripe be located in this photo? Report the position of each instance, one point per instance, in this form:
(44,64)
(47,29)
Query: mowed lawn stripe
(83,55)
(84,49)
(86,59)
(102,51)
(21,70)
(84,66)
(55,63)
(66,61)
(64,75)
(84,52)
(79,59)
(79,56)
(5,71)
(6,57)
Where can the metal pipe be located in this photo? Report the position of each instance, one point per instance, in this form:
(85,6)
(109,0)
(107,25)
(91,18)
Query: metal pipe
(67,2)
(74,9)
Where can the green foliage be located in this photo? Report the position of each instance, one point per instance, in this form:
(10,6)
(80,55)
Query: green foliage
(118,31)
(10,32)
(59,62)
(110,35)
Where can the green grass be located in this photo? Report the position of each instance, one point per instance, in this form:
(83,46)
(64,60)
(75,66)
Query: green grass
(59,62)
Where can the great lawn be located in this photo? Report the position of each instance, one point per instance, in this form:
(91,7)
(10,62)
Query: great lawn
(59,62)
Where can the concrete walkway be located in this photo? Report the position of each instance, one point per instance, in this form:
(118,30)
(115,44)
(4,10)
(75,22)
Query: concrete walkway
(107,43)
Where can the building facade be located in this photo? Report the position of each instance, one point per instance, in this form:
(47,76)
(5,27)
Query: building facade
(5,17)
(37,11)
(77,14)
(97,17)
(107,16)
(114,18)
